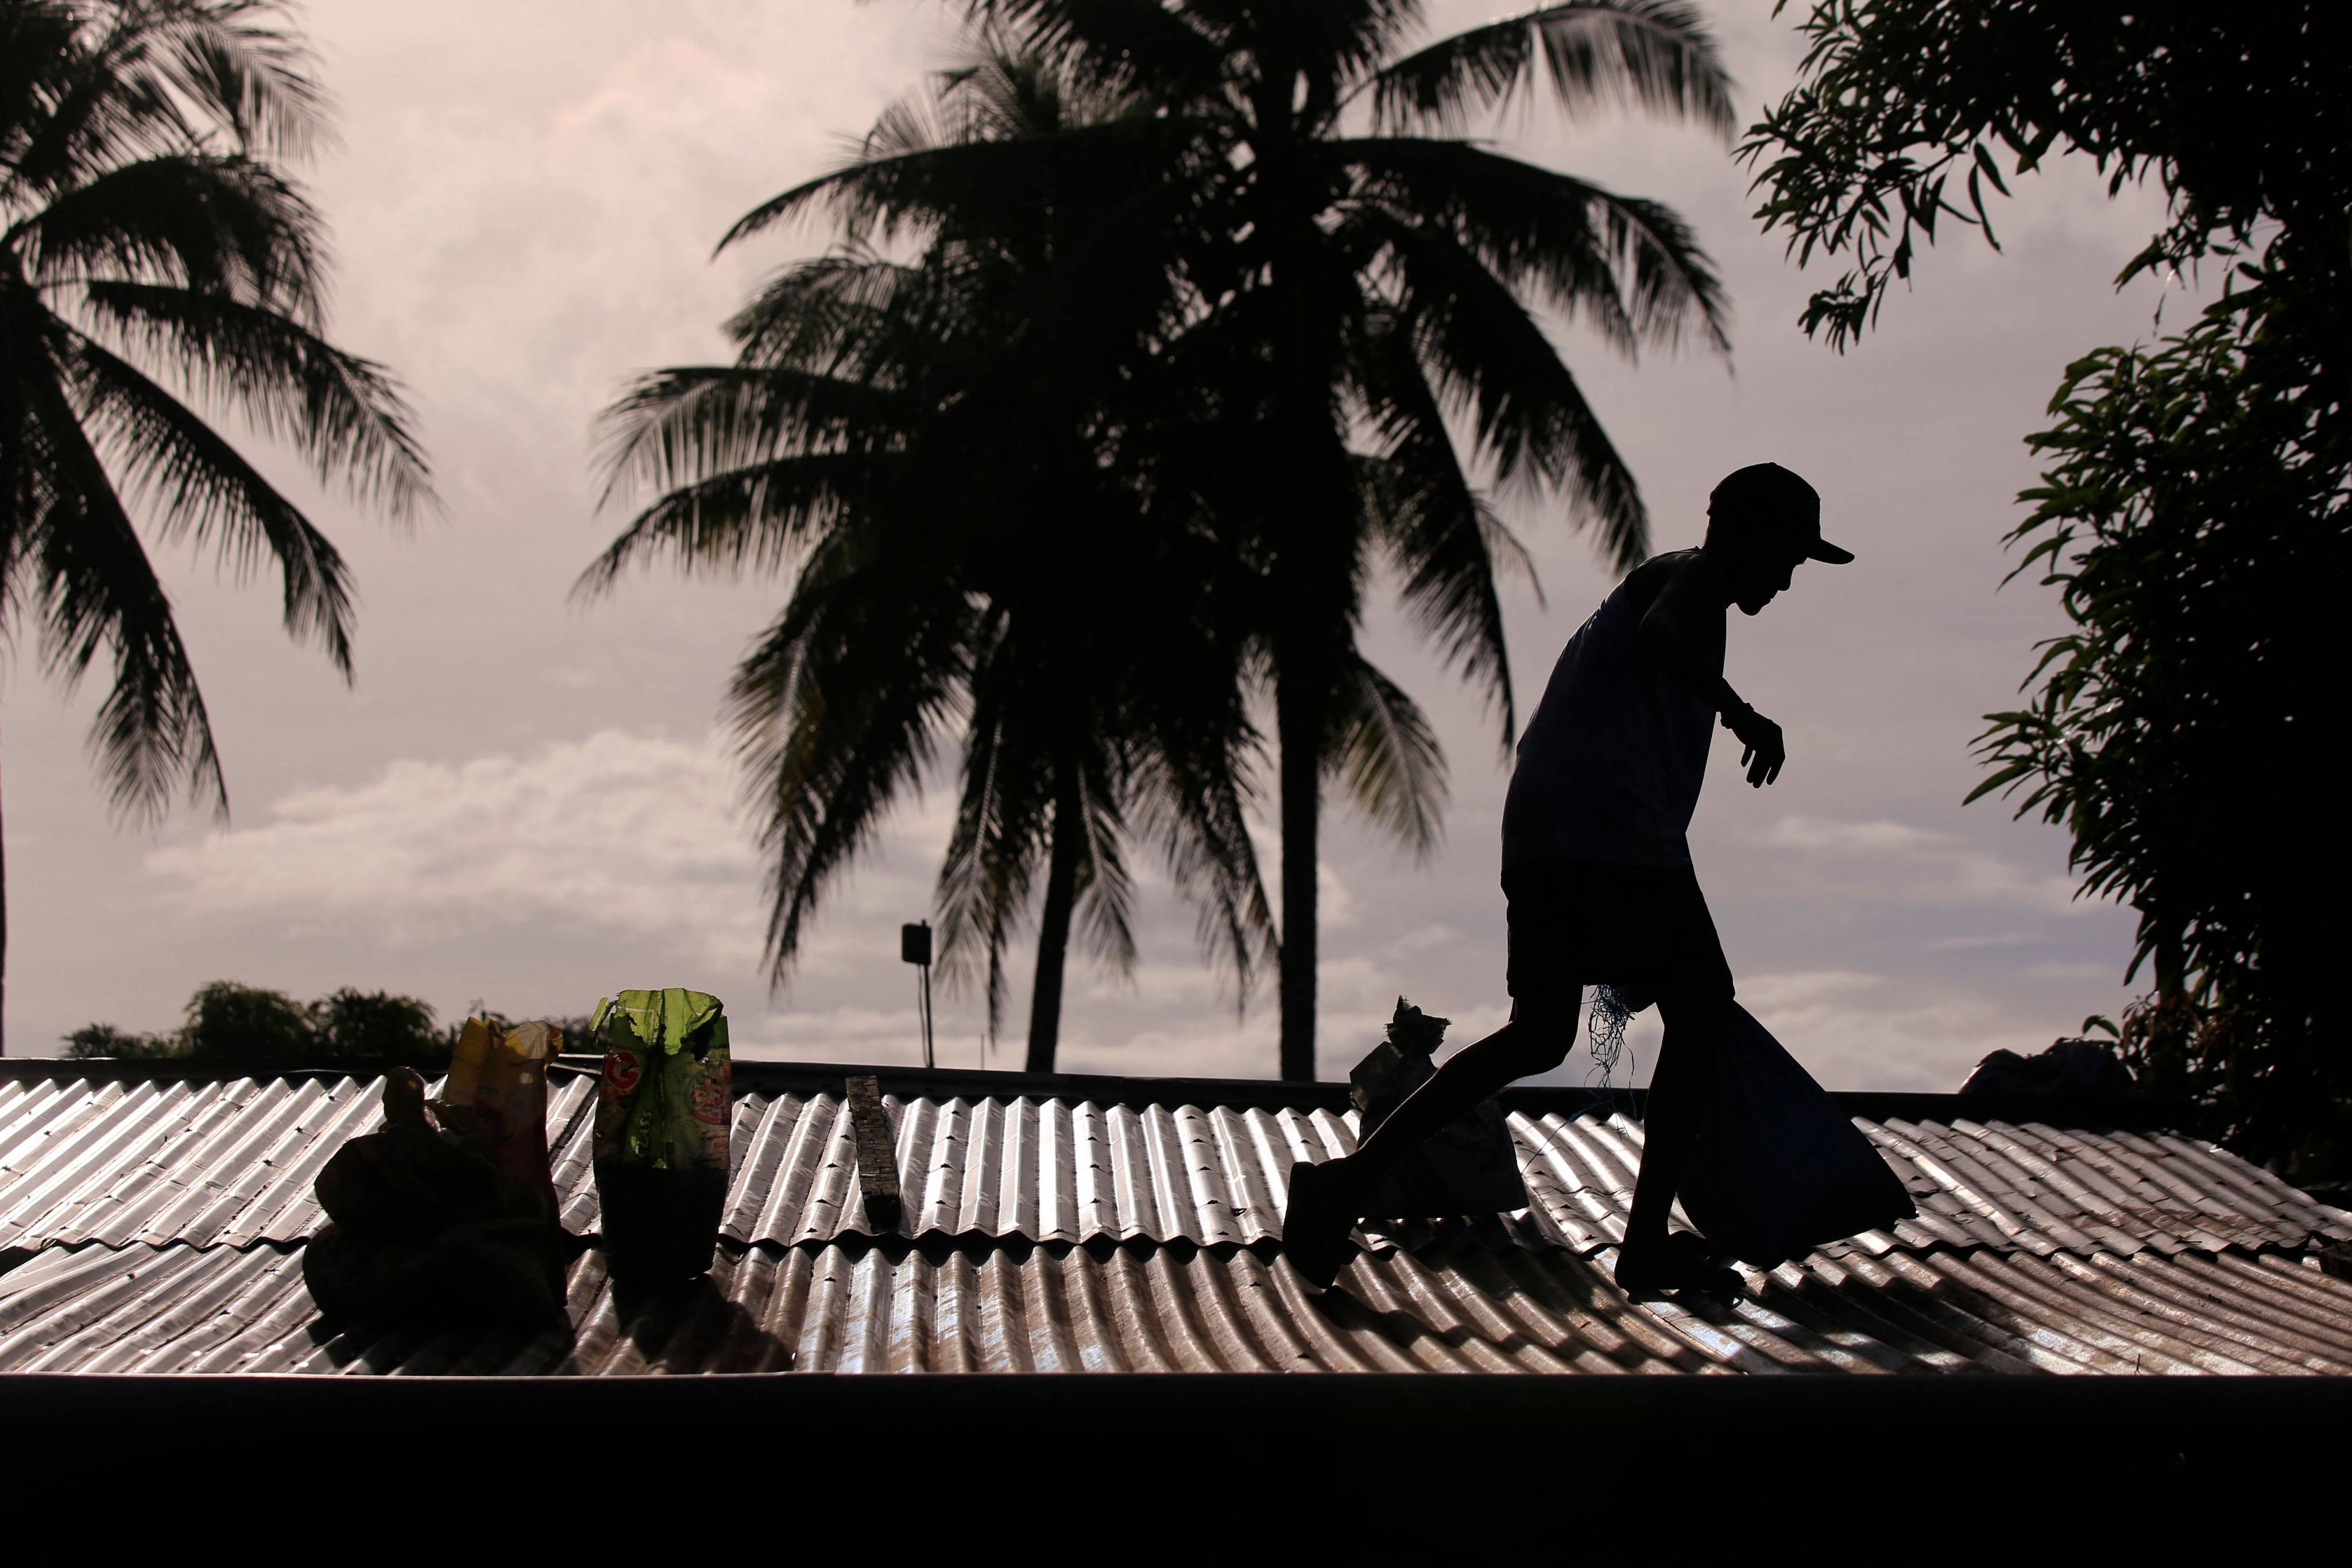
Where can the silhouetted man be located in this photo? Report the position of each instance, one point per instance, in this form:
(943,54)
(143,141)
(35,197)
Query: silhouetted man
(1597,869)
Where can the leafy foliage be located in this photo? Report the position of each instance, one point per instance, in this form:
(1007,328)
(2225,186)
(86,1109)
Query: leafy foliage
(232,1022)
(376,1026)
(2194,513)
(248,1023)
(2198,521)
(1906,113)
(103,1039)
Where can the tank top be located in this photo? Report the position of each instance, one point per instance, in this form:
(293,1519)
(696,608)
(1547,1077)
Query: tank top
(1611,764)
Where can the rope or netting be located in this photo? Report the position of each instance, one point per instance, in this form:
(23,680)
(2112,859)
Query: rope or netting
(1611,1008)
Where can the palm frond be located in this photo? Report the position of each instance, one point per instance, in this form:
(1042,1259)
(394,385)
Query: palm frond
(674,425)
(965,184)
(36,60)
(1126,46)
(838,711)
(1492,359)
(1528,416)
(827,315)
(129,81)
(80,111)
(97,591)
(1104,891)
(1439,530)
(344,412)
(1004,818)
(224,226)
(203,490)
(1656,54)
(152,241)
(1328,47)
(1629,266)
(1387,757)
(747,519)
(1193,794)
(243,64)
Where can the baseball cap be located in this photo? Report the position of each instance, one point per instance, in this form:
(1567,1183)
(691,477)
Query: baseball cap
(1767,499)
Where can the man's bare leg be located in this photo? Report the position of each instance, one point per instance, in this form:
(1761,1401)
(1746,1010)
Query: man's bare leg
(1679,1092)
(1327,1199)
(1535,1040)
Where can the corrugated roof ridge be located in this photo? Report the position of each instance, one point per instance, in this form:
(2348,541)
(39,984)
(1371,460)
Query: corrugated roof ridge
(881,1304)
(943,1082)
(229,1161)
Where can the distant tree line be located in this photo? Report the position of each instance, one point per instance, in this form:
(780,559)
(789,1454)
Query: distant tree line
(227,1021)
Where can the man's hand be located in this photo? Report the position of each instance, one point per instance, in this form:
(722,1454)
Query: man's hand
(1763,753)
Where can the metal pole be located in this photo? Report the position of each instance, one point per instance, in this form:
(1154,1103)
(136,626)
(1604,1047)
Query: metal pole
(915,947)
(927,1017)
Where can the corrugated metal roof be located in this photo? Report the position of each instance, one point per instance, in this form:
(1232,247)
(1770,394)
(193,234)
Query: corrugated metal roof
(1069,1228)
(865,1307)
(1057,1171)
(214,1163)
(231,1162)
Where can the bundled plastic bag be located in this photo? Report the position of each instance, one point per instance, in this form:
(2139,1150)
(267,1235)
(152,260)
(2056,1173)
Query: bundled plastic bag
(662,1112)
(498,1087)
(1779,1170)
(1470,1166)
(441,1215)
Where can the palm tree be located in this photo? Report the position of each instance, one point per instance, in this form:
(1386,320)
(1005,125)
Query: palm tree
(151,240)
(1367,265)
(946,453)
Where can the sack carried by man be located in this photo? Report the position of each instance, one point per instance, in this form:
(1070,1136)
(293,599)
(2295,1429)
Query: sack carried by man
(1779,1170)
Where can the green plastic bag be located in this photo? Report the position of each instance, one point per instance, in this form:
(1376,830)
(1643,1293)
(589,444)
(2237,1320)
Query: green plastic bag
(662,1112)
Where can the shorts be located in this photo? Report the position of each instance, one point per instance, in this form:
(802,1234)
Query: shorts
(1578,922)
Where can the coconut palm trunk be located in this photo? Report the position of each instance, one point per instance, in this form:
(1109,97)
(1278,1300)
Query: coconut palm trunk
(1315,616)
(1298,722)
(1313,599)
(1054,927)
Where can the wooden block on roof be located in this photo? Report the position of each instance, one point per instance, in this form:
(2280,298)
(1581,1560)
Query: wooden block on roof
(878,1151)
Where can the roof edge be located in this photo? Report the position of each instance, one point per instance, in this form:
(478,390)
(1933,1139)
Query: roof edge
(1107,1089)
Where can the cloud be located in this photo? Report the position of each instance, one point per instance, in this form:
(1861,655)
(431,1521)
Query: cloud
(2076,969)
(1850,1028)
(1926,866)
(1804,988)
(630,832)
(1980,943)
(1422,939)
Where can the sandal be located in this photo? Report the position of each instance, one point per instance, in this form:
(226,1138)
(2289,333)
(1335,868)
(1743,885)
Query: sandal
(1316,1225)
(1684,1263)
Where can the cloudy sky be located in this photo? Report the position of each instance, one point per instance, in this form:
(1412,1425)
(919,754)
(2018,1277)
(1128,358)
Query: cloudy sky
(522,801)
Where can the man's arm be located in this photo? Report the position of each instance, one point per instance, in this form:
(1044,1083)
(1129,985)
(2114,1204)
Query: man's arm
(1672,632)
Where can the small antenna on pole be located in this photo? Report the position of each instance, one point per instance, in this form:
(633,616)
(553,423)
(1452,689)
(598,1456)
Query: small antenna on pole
(915,947)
